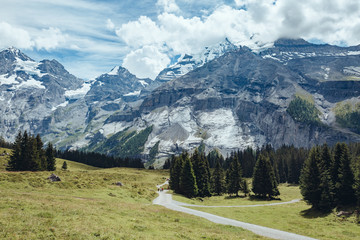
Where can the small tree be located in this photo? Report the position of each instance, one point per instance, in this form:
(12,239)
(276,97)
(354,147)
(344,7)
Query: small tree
(64,166)
(234,176)
(50,159)
(264,182)
(188,180)
(217,183)
(310,179)
(14,163)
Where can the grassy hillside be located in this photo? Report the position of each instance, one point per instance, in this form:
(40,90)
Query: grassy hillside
(87,205)
(348,115)
(303,110)
(127,143)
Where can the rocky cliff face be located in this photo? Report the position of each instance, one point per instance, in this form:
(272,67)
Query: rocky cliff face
(233,100)
(240,100)
(30,91)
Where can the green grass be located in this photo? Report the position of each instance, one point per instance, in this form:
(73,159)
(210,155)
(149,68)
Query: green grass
(288,193)
(297,217)
(87,205)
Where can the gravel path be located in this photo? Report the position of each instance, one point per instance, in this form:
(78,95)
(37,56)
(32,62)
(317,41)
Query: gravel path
(165,200)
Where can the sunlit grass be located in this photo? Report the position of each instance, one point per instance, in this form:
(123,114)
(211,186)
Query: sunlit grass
(86,204)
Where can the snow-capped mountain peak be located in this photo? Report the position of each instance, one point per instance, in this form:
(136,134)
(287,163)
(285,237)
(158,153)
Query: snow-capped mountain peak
(187,63)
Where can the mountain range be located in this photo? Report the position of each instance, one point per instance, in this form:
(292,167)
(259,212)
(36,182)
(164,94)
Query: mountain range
(226,98)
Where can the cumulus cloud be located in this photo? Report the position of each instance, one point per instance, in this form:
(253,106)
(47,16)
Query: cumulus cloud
(146,62)
(49,39)
(168,5)
(13,36)
(252,22)
(17,37)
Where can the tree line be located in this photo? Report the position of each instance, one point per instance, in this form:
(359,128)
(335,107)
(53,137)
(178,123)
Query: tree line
(99,160)
(330,178)
(28,154)
(192,176)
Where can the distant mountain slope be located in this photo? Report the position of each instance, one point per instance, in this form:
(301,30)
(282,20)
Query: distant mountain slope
(228,98)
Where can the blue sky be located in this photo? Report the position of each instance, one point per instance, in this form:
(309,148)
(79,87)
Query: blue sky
(91,37)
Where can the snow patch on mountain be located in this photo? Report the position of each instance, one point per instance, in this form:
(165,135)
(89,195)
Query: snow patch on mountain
(30,83)
(64,104)
(78,93)
(29,67)
(8,80)
(135,93)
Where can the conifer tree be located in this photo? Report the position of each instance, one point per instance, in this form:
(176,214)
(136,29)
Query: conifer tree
(326,186)
(234,176)
(345,191)
(50,159)
(356,185)
(64,166)
(310,179)
(15,163)
(175,173)
(188,180)
(217,183)
(202,173)
(335,167)
(264,181)
(34,160)
(40,149)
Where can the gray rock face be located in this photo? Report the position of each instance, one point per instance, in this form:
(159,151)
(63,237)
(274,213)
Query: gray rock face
(30,91)
(230,99)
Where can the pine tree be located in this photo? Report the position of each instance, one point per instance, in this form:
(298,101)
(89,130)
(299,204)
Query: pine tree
(50,159)
(356,185)
(310,179)
(34,160)
(234,176)
(64,166)
(40,146)
(175,173)
(15,163)
(264,181)
(202,173)
(345,192)
(188,180)
(334,170)
(326,186)
(217,183)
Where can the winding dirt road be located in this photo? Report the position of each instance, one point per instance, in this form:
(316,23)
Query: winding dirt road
(165,199)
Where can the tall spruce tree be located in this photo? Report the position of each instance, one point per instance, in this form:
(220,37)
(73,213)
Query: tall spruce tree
(310,179)
(356,185)
(217,179)
(264,181)
(175,173)
(50,157)
(345,191)
(334,169)
(326,202)
(188,181)
(234,176)
(202,173)
(40,149)
(15,163)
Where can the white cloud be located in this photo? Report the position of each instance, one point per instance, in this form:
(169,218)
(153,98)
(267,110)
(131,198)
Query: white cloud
(169,6)
(50,39)
(110,25)
(14,36)
(146,62)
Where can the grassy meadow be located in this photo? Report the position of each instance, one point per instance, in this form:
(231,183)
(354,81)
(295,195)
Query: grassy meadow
(295,217)
(87,205)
